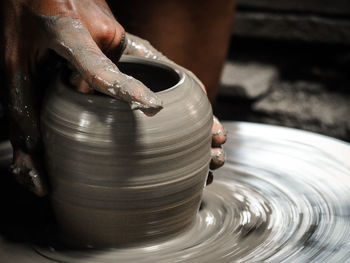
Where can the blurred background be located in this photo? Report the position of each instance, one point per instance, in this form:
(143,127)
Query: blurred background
(289,64)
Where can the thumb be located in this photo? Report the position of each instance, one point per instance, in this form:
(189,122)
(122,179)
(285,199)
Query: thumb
(73,41)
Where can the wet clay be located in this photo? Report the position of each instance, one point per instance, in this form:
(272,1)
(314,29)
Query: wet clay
(97,70)
(282,196)
(137,46)
(119,177)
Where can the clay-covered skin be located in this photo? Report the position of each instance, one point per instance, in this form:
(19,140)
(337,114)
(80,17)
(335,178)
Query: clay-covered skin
(80,31)
(87,35)
(137,46)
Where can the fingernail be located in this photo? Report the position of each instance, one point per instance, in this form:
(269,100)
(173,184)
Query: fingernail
(218,159)
(150,107)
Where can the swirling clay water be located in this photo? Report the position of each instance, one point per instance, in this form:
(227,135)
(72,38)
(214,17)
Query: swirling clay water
(283,195)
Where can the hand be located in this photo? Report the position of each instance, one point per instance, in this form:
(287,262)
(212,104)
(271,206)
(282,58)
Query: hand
(139,47)
(217,153)
(85,33)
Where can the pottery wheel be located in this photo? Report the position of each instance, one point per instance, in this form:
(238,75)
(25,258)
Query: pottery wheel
(283,195)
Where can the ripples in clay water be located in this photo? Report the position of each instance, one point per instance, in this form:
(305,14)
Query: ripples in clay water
(282,196)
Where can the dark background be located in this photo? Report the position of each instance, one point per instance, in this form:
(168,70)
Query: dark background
(289,64)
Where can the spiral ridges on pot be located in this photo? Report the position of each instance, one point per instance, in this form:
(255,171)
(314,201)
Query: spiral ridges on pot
(282,196)
(119,176)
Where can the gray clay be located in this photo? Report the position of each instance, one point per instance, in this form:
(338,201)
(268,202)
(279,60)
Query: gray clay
(118,176)
(282,196)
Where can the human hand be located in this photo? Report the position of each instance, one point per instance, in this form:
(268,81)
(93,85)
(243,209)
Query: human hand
(217,153)
(86,34)
(139,47)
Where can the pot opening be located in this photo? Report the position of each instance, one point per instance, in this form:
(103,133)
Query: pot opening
(156,77)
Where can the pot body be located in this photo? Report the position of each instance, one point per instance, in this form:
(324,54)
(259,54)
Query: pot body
(118,176)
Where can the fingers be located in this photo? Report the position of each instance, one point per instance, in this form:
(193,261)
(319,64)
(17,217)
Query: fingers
(79,84)
(73,42)
(22,102)
(218,133)
(218,138)
(217,153)
(116,50)
(217,158)
(137,46)
(26,172)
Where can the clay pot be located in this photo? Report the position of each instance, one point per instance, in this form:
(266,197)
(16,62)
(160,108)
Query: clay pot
(118,176)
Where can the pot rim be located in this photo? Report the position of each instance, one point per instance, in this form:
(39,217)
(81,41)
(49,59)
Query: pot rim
(100,98)
(162,64)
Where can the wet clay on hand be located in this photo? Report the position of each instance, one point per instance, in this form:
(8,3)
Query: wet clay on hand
(33,34)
